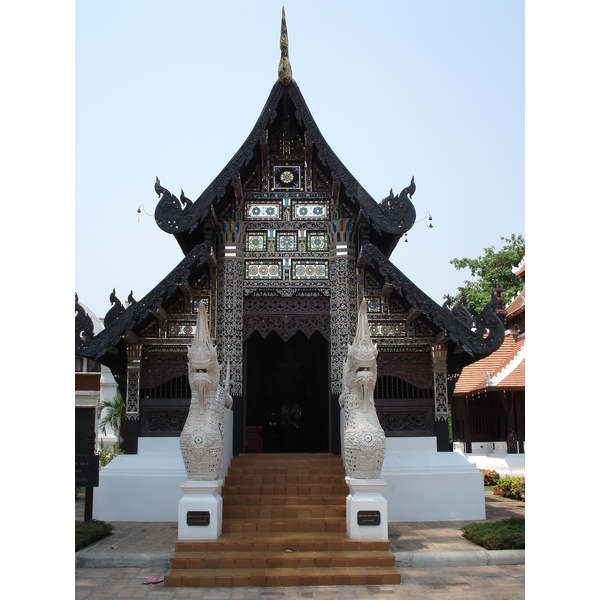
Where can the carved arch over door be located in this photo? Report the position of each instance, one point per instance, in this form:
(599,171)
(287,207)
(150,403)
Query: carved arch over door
(286,316)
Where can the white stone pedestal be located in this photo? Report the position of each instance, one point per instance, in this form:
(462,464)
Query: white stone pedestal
(366,509)
(200,511)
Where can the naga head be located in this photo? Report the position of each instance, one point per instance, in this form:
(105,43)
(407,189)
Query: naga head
(203,365)
(361,366)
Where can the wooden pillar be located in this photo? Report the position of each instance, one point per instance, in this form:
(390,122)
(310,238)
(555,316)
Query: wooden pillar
(511,419)
(230,328)
(132,415)
(440,389)
(468,439)
(89,490)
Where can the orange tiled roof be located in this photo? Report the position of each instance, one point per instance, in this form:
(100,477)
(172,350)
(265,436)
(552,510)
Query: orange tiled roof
(516,306)
(501,370)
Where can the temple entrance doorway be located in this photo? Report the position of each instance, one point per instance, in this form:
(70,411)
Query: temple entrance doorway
(287,393)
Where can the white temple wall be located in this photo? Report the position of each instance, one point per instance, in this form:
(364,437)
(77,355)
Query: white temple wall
(145,486)
(425,485)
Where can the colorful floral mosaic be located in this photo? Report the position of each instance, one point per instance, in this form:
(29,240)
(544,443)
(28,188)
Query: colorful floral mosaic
(317,242)
(256,241)
(287,241)
(310,269)
(388,329)
(373,304)
(263,269)
(286,177)
(263,211)
(304,211)
(181,329)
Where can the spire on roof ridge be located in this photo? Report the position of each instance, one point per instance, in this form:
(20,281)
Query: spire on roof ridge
(285,68)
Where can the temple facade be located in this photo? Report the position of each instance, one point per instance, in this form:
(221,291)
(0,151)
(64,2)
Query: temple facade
(282,247)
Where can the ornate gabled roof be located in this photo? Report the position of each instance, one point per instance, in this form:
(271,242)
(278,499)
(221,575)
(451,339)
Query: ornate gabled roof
(484,338)
(388,220)
(128,319)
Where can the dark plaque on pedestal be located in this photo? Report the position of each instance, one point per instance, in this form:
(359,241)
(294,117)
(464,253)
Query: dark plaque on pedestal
(369,517)
(200,518)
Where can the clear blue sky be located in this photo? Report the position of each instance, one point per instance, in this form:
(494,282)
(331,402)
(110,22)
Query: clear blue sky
(434,89)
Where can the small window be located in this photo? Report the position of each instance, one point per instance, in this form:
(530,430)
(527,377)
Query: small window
(78,364)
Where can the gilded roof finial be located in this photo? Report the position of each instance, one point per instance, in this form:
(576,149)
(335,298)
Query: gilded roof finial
(285,69)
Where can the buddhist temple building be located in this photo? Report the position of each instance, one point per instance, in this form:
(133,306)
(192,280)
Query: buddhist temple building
(282,247)
(488,405)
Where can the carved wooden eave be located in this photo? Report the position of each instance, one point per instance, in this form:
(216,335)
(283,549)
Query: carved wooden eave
(484,338)
(387,220)
(125,326)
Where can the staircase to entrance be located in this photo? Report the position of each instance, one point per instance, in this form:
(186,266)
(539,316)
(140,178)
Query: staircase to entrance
(284,524)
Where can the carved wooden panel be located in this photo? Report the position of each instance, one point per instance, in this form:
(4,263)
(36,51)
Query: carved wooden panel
(286,316)
(407,421)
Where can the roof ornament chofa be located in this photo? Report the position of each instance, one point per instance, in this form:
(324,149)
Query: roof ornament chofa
(285,68)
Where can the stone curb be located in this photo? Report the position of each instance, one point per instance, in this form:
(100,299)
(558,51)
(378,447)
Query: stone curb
(464,558)
(460,558)
(91,560)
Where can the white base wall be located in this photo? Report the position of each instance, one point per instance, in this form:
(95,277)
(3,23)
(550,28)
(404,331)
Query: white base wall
(143,486)
(146,486)
(494,456)
(503,464)
(421,483)
(426,485)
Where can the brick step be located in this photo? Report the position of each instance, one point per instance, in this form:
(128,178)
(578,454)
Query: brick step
(307,489)
(280,501)
(284,524)
(301,464)
(286,559)
(281,577)
(287,457)
(298,542)
(260,478)
(289,526)
(250,513)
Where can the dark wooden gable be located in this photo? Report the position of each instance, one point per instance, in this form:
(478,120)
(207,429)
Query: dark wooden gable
(285,131)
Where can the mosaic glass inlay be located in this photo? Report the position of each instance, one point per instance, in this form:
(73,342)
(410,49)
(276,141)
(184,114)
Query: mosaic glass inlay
(287,241)
(263,211)
(310,269)
(306,211)
(373,305)
(317,242)
(263,269)
(180,329)
(286,178)
(256,241)
(391,329)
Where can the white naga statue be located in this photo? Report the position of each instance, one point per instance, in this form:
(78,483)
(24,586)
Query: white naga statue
(364,439)
(201,439)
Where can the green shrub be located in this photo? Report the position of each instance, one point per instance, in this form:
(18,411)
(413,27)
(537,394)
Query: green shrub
(87,532)
(497,535)
(490,477)
(107,453)
(513,487)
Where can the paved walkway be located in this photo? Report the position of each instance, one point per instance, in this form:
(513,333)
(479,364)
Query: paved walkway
(435,561)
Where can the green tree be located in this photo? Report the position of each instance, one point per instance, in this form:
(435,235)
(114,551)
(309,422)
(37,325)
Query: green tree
(114,416)
(486,269)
